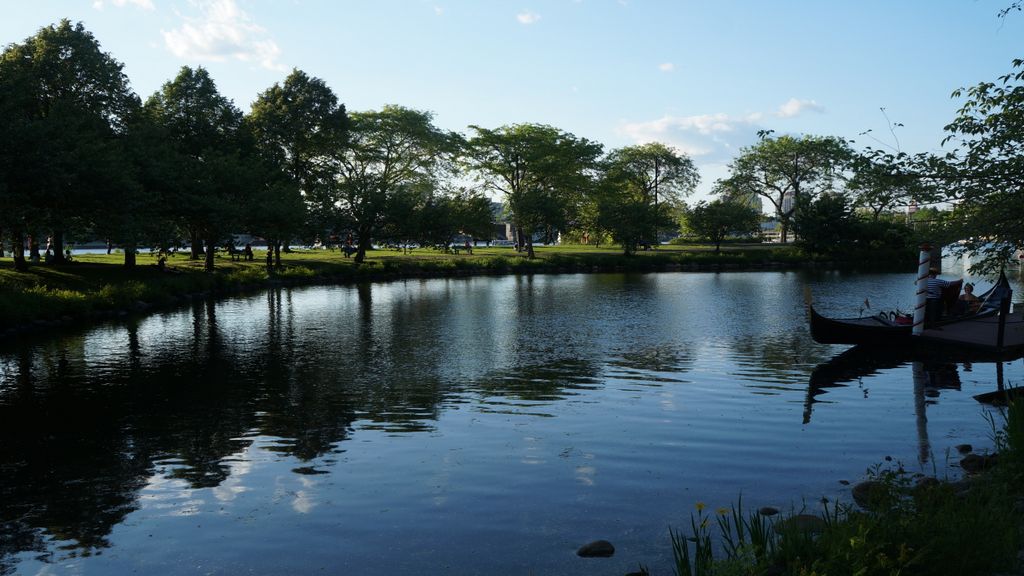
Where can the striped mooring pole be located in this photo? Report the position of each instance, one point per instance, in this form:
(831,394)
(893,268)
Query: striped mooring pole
(923,263)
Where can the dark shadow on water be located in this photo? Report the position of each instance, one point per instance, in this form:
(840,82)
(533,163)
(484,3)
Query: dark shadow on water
(932,370)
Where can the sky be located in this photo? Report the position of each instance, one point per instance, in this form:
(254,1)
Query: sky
(701,76)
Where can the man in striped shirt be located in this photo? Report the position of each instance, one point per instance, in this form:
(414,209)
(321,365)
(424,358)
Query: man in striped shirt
(933,303)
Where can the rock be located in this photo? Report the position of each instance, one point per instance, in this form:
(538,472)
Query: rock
(973,463)
(596,549)
(866,494)
(807,523)
(844,482)
(768,511)
(964,448)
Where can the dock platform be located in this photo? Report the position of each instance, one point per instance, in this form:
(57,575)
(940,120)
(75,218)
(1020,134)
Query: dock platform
(980,334)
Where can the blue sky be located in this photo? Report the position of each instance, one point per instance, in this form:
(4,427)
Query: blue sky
(701,76)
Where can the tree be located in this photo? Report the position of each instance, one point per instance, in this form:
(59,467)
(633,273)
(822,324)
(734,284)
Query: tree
(67,102)
(389,152)
(299,126)
(785,169)
(144,215)
(984,175)
(653,174)
(717,220)
(825,225)
(213,154)
(543,173)
(642,187)
(880,183)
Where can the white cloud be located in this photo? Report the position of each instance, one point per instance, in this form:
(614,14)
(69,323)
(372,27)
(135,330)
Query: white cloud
(712,139)
(527,17)
(794,107)
(708,137)
(438,10)
(666,66)
(144,4)
(223,31)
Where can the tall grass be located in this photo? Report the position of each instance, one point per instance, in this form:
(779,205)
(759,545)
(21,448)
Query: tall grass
(912,528)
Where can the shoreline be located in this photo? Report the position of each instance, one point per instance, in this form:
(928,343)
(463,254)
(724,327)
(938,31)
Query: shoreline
(55,297)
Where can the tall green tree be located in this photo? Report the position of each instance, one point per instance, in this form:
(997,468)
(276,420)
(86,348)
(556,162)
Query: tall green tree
(984,174)
(543,173)
(388,153)
(787,167)
(880,183)
(67,103)
(642,188)
(145,214)
(717,220)
(299,125)
(214,153)
(825,225)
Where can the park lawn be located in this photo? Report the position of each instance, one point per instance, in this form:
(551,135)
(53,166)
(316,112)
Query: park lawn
(99,282)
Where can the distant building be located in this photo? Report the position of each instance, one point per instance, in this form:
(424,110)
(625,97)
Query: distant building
(787,202)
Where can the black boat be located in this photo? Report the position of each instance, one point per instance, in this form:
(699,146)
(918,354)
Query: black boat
(891,328)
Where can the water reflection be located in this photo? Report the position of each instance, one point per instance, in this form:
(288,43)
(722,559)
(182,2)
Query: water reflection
(931,373)
(419,404)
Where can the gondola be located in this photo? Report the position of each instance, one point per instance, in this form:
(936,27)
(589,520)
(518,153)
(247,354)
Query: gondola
(893,328)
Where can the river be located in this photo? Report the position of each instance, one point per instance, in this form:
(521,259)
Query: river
(455,426)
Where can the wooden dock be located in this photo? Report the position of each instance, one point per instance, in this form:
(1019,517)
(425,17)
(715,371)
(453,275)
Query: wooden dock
(980,334)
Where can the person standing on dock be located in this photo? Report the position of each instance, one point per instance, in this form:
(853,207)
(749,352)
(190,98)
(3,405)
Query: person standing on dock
(933,305)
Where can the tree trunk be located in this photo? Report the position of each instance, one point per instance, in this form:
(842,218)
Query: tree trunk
(18,248)
(210,245)
(129,255)
(364,242)
(529,247)
(58,247)
(196,245)
(1,242)
(33,248)
(277,253)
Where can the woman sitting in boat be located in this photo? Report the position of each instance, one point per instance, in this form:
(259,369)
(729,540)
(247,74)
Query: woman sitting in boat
(968,303)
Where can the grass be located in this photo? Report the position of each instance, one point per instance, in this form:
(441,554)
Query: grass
(912,528)
(98,282)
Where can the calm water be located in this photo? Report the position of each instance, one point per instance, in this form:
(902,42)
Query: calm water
(459,426)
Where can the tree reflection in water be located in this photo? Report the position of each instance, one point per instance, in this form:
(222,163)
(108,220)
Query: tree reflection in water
(134,416)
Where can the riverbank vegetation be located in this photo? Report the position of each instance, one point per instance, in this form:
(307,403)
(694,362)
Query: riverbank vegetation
(97,284)
(85,158)
(900,524)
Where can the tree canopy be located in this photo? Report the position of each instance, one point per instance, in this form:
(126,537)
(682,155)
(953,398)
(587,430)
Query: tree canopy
(206,132)
(787,167)
(984,174)
(65,104)
(390,152)
(717,220)
(541,171)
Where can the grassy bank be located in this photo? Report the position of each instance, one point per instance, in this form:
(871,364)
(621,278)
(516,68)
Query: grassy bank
(98,284)
(900,525)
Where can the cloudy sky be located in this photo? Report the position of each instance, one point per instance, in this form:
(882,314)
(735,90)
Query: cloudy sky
(701,76)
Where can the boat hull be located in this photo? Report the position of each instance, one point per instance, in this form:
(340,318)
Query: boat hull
(870,330)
